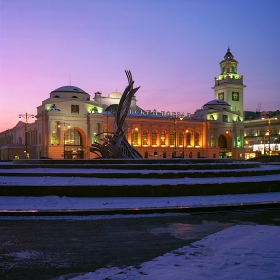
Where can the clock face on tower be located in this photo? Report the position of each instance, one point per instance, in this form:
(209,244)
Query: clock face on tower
(235,96)
(221,96)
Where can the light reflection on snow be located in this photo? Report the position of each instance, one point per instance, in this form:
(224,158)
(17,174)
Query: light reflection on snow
(241,252)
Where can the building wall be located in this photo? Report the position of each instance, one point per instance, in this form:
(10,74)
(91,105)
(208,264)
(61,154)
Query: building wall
(72,106)
(49,139)
(262,137)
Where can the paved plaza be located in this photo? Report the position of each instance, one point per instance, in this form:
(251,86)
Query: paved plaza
(62,247)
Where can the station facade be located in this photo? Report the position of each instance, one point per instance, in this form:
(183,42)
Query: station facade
(68,122)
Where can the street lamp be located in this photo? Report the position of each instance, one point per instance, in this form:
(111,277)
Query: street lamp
(184,142)
(175,137)
(64,125)
(175,118)
(26,117)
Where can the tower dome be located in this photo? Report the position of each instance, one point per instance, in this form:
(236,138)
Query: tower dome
(228,55)
(115,94)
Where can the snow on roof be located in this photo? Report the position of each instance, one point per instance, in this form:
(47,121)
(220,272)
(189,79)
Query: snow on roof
(69,89)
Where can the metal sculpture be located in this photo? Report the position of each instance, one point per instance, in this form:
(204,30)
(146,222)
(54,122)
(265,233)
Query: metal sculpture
(115,144)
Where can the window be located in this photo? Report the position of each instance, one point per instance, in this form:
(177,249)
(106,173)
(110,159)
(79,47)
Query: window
(74,108)
(145,138)
(196,139)
(222,141)
(172,138)
(135,138)
(163,138)
(181,139)
(72,137)
(225,118)
(154,138)
(189,143)
(252,133)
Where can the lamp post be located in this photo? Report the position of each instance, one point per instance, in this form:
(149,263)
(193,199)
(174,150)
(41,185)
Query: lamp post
(268,133)
(26,117)
(64,125)
(175,137)
(184,142)
(175,118)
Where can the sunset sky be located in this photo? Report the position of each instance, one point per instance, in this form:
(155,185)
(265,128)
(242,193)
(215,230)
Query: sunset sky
(173,49)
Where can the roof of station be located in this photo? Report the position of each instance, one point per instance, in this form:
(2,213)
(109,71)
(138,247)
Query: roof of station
(217,102)
(69,89)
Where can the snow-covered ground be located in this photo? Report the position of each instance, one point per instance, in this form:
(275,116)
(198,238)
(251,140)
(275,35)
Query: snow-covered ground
(110,203)
(242,252)
(48,179)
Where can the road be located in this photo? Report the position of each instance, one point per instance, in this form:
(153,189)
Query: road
(49,247)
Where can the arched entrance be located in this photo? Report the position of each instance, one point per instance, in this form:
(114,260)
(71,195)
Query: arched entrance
(73,147)
(225,146)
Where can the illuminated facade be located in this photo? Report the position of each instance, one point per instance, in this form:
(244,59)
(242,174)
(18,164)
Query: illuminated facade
(262,135)
(68,121)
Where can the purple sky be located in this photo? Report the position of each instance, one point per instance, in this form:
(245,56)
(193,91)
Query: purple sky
(173,49)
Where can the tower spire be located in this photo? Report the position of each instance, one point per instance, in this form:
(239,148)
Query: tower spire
(229,84)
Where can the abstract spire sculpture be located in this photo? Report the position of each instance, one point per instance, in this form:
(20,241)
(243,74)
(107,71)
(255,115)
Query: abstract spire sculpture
(115,145)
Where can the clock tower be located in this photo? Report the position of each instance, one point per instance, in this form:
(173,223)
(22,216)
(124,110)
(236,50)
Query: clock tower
(229,84)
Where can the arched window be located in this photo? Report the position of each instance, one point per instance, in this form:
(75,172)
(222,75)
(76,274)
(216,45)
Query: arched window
(172,138)
(154,138)
(181,139)
(189,139)
(145,138)
(20,141)
(222,141)
(72,137)
(196,139)
(163,138)
(135,138)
